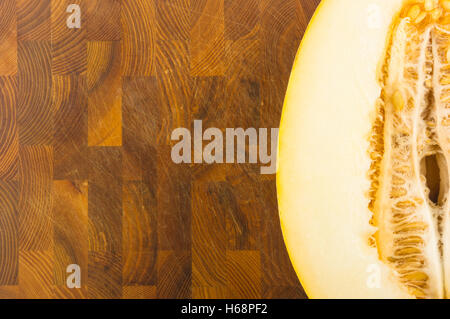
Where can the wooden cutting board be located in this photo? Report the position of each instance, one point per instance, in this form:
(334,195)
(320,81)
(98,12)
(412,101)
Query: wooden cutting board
(86,175)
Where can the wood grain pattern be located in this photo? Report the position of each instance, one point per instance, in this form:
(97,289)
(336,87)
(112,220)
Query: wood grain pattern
(139,292)
(104,86)
(35,112)
(209,237)
(69,100)
(33,20)
(35,200)
(139,241)
(68,45)
(9,144)
(9,239)
(173,19)
(103,20)
(207,38)
(86,175)
(36,274)
(8,38)
(175,86)
(138,38)
(70,226)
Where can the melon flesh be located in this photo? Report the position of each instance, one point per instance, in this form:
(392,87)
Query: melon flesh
(364,149)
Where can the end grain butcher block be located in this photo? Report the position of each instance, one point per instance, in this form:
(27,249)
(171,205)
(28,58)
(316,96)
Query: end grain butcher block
(86,176)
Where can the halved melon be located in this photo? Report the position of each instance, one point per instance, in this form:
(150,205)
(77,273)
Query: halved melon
(364,151)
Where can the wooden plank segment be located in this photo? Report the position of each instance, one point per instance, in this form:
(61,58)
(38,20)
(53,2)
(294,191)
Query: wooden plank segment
(139,240)
(35,198)
(36,274)
(174,212)
(61,292)
(9,144)
(243,270)
(240,203)
(105,200)
(209,292)
(33,20)
(8,38)
(70,226)
(105,275)
(10,292)
(175,85)
(139,292)
(105,222)
(207,38)
(68,44)
(34,110)
(138,37)
(70,127)
(103,20)
(209,236)
(173,17)
(141,127)
(174,274)
(242,21)
(9,238)
(104,84)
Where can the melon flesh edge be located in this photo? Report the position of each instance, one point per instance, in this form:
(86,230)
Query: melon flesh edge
(323,151)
